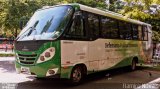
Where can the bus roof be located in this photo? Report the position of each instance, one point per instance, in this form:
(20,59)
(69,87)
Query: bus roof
(110,14)
(102,12)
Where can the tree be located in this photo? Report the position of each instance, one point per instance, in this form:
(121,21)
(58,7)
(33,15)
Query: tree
(142,10)
(93,3)
(12,11)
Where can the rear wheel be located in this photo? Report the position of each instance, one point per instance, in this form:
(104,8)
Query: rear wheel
(133,65)
(76,75)
(40,78)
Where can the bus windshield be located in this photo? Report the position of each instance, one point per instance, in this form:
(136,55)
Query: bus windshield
(46,24)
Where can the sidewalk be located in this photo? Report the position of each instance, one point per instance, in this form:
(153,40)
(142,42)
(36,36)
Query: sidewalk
(2,51)
(8,72)
(10,59)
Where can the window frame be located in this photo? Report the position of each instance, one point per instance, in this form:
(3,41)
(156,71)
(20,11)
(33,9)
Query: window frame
(132,25)
(90,36)
(87,31)
(116,21)
(67,36)
(125,28)
(144,31)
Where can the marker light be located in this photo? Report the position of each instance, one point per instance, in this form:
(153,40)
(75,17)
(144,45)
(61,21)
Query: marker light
(51,71)
(47,54)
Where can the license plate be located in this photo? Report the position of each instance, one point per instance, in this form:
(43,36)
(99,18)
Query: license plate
(25,70)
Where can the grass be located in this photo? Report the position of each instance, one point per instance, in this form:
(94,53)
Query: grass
(155,68)
(7,55)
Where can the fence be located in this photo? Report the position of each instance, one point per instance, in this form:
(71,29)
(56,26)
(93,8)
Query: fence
(6,44)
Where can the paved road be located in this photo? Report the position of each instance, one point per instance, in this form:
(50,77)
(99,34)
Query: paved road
(115,79)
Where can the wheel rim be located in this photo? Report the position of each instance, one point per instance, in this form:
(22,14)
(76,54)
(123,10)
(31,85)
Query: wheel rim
(77,75)
(133,65)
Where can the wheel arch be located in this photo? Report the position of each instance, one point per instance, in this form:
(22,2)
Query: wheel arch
(135,58)
(83,66)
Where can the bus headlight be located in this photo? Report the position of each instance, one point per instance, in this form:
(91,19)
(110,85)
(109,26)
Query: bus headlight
(46,55)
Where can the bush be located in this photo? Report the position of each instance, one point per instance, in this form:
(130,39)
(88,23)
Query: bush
(7,55)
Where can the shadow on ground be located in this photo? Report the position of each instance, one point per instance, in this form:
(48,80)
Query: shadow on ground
(7,67)
(101,80)
(88,83)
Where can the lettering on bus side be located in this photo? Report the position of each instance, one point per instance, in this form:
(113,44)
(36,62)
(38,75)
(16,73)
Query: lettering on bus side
(120,45)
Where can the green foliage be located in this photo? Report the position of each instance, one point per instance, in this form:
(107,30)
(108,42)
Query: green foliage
(93,3)
(12,11)
(136,10)
(7,55)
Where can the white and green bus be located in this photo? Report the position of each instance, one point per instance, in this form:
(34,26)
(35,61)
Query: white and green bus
(73,40)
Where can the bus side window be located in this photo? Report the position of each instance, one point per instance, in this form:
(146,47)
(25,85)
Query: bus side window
(145,33)
(135,31)
(93,25)
(140,32)
(109,28)
(128,31)
(125,30)
(76,30)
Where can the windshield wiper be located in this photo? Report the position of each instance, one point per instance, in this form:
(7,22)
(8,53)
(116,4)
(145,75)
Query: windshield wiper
(33,28)
(23,33)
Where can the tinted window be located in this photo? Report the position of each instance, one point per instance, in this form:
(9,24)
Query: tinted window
(109,28)
(140,32)
(145,33)
(135,31)
(76,30)
(125,30)
(93,25)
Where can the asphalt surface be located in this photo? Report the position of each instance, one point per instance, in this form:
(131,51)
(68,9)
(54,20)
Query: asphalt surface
(121,78)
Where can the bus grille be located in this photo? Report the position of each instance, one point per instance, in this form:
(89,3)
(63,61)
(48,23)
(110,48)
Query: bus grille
(27,59)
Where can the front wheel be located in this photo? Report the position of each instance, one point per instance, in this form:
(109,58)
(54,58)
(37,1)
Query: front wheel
(76,75)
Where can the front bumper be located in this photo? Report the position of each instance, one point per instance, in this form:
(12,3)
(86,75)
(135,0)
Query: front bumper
(46,69)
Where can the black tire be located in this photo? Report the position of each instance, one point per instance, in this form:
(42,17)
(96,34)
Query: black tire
(40,78)
(76,75)
(133,65)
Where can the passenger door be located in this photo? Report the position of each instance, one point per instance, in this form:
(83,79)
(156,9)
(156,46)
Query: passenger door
(94,50)
(74,47)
